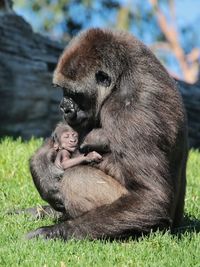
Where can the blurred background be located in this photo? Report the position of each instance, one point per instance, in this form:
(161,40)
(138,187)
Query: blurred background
(169,27)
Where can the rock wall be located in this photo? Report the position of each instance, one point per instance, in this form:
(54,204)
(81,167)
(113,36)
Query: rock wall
(27,61)
(28,102)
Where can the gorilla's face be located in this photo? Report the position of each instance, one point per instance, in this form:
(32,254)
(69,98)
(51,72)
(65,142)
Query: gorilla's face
(81,106)
(83,99)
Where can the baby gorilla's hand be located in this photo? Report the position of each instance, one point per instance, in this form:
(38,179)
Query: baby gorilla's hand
(93,157)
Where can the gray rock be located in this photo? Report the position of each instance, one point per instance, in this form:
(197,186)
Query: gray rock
(27,61)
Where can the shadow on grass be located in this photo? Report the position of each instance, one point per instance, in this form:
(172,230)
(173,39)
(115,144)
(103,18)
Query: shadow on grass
(190,224)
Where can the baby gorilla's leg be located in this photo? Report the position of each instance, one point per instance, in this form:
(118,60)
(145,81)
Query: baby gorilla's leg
(88,188)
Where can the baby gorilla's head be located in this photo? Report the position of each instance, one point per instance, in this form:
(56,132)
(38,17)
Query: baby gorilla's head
(65,137)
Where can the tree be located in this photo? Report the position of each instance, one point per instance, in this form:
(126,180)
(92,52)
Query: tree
(188,62)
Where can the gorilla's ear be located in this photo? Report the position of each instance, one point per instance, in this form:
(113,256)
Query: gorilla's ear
(102,78)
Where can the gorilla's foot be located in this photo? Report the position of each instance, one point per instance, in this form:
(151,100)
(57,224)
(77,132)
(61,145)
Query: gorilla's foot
(47,232)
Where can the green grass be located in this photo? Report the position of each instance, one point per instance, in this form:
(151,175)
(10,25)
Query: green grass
(17,191)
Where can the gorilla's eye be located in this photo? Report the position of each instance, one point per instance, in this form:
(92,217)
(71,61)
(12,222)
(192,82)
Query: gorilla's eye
(102,78)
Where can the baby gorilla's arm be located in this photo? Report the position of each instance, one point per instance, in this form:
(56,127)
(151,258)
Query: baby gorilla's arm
(91,157)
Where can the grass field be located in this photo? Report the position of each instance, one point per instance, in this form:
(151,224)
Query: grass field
(17,191)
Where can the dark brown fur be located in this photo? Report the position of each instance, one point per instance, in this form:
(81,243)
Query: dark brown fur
(96,140)
(121,89)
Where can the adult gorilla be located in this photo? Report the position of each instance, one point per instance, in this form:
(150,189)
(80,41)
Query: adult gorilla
(114,85)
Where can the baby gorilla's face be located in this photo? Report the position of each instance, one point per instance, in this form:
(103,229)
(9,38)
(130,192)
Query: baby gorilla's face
(69,140)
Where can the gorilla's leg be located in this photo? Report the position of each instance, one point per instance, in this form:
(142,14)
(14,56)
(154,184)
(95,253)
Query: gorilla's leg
(83,188)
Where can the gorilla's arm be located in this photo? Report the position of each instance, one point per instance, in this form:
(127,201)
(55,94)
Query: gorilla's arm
(46,175)
(96,140)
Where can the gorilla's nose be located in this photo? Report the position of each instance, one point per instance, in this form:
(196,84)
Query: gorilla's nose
(68,108)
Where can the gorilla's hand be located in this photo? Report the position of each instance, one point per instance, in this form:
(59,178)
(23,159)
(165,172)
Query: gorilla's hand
(96,140)
(86,148)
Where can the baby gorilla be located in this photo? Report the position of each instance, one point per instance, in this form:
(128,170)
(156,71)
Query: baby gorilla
(66,143)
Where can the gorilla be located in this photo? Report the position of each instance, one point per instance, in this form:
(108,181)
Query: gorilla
(115,89)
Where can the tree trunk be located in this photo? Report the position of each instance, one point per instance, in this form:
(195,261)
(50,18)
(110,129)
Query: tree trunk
(28,102)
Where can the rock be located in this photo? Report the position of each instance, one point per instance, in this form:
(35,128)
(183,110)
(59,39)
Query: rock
(27,61)
(191,99)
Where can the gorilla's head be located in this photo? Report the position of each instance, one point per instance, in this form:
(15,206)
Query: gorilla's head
(89,71)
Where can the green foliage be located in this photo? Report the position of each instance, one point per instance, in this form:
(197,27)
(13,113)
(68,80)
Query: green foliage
(17,191)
